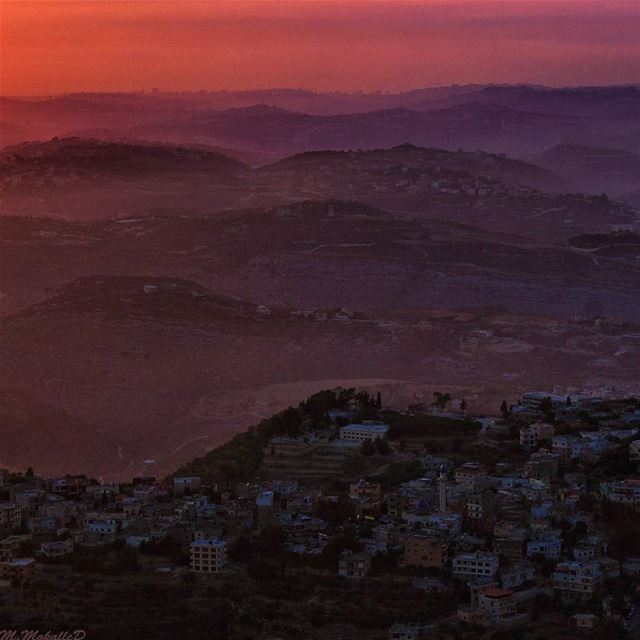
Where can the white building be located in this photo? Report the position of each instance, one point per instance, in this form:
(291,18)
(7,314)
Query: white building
(208,556)
(361,432)
(478,564)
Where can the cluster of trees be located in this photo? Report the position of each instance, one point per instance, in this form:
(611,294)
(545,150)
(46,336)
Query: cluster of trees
(379,446)
(428,426)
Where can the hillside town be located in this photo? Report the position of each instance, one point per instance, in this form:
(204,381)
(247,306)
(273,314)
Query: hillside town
(454,524)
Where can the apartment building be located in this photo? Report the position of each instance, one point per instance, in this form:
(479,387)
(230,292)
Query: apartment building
(478,564)
(208,556)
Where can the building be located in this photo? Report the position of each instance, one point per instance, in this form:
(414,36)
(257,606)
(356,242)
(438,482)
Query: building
(624,492)
(424,551)
(19,568)
(470,476)
(10,515)
(547,544)
(186,484)
(57,548)
(354,564)
(363,489)
(10,546)
(578,580)
(208,556)
(634,451)
(585,622)
(517,574)
(478,564)
(361,432)
(532,434)
(496,603)
(101,526)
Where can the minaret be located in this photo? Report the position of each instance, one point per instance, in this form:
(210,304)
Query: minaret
(442,491)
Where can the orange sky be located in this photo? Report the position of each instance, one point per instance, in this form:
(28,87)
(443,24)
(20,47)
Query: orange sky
(52,47)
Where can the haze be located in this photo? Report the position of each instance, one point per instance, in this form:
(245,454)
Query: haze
(55,47)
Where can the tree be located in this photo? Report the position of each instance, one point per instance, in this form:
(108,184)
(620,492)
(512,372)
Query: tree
(382,446)
(441,400)
(367,448)
(378,401)
(546,405)
(29,473)
(504,408)
(463,405)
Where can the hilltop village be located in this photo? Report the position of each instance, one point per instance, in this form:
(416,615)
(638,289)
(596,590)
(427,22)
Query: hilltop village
(343,518)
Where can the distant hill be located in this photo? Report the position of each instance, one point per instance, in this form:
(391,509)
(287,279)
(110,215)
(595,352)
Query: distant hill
(91,156)
(86,178)
(470,127)
(592,169)
(621,101)
(366,167)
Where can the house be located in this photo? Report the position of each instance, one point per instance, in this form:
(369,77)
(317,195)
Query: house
(264,500)
(424,551)
(517,574)
(578,580)
(10,546)
(567,446)
(10,515)
(19,568)
(491,606)
(585,622)
(496,603)
(532,434)
(57,548)
(478,564)
(470,475)
(624,492)
(368,497)
(208,556)
(547,544)
(354,564)
(361,432)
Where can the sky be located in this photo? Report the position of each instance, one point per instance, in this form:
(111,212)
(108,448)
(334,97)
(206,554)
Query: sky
(50,47)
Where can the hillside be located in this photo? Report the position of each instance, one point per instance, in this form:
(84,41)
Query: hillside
(92,180)
(592,169)
(317,255)
(176,369)
(405,161)
(76,177)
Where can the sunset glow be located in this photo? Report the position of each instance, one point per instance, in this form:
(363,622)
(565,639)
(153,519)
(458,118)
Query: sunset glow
(53,47)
